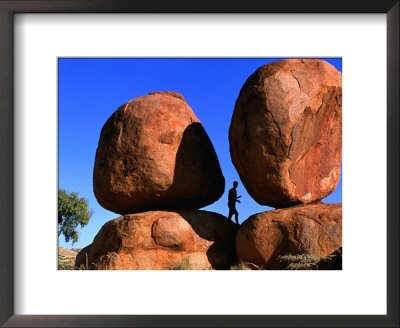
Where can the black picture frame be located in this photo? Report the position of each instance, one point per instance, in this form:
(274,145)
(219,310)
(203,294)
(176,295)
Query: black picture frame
(10,7)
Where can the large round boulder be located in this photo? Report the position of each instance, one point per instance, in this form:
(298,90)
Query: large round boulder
(154,154)
(314,229)
(160,240)
(286,132)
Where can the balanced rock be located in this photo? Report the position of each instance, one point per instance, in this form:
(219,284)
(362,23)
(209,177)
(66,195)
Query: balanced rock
(160,240)
(312,229)
(154,154)
(286,132)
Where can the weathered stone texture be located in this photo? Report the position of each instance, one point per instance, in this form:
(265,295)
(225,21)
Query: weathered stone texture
(286,132)
(313,229)
(154,154)
(159,240)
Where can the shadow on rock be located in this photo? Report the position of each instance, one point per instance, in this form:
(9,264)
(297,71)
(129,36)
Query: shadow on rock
(197,175)
(222,232)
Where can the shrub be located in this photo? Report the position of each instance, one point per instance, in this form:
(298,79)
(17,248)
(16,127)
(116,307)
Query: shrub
(304,261)
(66,262)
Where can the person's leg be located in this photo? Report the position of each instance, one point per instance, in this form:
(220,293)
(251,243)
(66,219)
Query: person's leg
(236,217)
(230,214)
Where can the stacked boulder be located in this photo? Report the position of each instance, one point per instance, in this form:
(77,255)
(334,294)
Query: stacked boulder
(286,144)
(156,166)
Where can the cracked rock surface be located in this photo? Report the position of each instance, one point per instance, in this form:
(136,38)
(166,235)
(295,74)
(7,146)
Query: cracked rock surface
(286,132)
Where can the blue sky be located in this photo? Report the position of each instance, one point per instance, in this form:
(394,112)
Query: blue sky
(91,89)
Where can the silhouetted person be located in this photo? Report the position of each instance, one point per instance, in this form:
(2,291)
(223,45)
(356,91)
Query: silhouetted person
(232,199)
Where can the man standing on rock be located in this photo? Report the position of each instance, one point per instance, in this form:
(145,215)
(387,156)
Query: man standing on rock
(232,199)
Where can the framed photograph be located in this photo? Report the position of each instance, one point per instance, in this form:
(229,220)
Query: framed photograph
(52,47)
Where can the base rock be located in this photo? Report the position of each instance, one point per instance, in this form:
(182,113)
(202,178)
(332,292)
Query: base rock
(314,229)
(159,240)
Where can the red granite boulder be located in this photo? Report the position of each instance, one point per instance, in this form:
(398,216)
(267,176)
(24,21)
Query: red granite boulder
(160,240)
(312,229)
(154,154)
(286,132)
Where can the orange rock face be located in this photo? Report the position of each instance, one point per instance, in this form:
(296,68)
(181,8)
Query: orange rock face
(159,240)
(314,229)
(286,132)
(154,154)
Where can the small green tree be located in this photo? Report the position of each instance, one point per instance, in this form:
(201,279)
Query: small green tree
(72,211)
